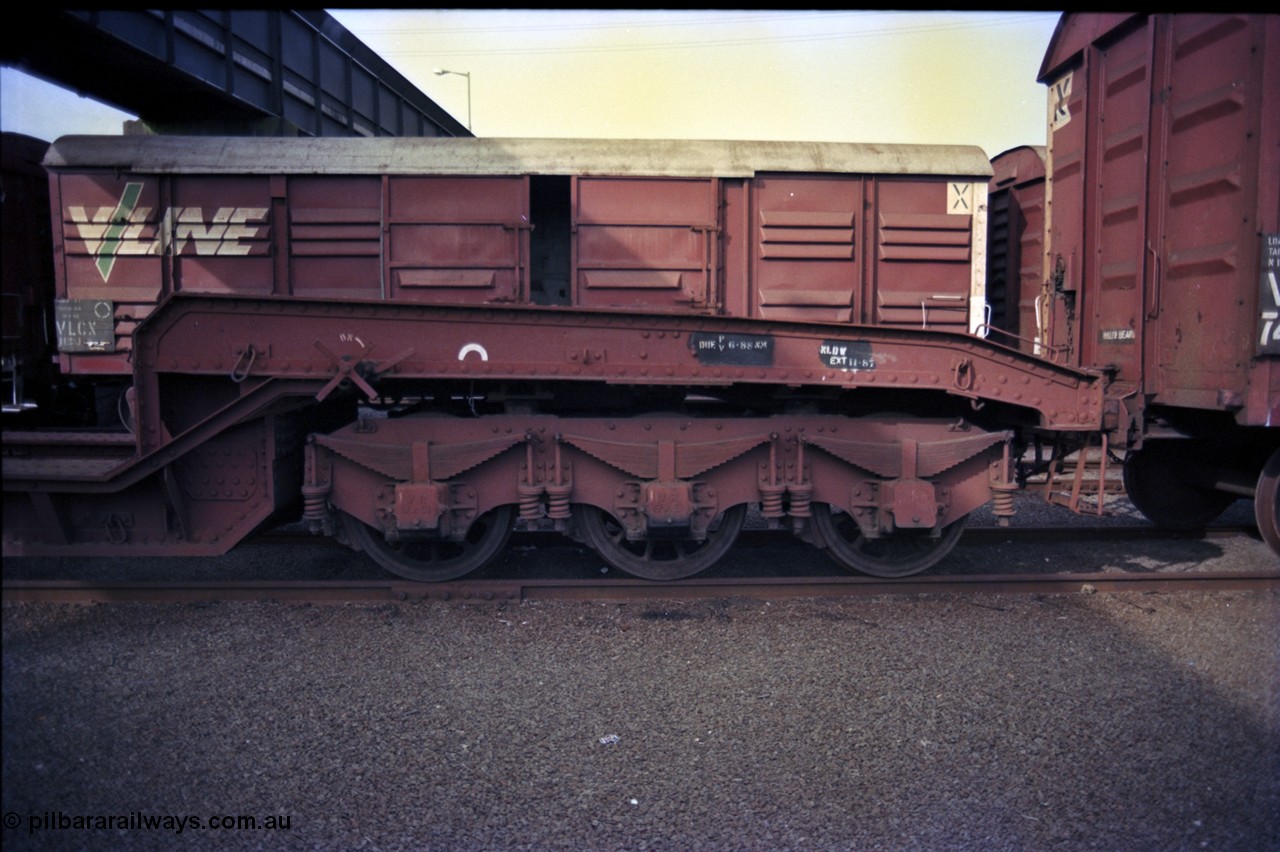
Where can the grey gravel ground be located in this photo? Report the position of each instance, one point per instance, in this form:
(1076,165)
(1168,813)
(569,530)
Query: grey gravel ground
(1108,721)
(1068,722)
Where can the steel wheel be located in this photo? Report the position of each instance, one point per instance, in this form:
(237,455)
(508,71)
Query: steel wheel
(899,554)
(434,561)
(1155,480)
(1266,502)
(659,559)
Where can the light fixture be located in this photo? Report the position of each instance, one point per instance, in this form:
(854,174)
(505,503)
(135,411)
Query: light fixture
(440,72)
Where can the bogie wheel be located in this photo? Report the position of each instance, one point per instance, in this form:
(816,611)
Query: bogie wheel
(435,561)
(659,559)
(1156,482)
(1266,502)
(899,554)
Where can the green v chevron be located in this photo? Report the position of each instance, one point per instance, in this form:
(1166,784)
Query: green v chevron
(106,253)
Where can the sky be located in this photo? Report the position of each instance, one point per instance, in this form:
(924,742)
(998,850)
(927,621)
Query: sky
(832,76)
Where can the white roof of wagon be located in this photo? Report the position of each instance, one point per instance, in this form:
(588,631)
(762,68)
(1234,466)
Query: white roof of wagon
(471,156)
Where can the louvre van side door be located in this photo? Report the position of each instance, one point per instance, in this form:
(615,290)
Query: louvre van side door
(650,243)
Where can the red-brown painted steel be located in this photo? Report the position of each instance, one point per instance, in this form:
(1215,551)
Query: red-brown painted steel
(211,451)
(1164,149)
(649,243)
(1015,244)
(875,248)
(254,302)
(413,342)
(205,336)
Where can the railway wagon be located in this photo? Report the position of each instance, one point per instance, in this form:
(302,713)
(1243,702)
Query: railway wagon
(1162,248)
(26,278)
(417,343)
(1015,245)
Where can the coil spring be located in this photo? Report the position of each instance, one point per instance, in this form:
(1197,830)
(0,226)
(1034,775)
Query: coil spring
(530,502)
(314,498)
(1002,499)
(801,501)
(771,501)
(558,501)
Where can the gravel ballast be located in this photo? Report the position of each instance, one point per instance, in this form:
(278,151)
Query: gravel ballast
(1126,721)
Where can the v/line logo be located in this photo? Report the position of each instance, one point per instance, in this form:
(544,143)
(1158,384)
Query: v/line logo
(129,230)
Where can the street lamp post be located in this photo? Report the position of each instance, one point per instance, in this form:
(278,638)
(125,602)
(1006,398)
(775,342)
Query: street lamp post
(440,72)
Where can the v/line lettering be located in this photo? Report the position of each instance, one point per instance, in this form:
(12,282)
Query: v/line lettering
(129,229)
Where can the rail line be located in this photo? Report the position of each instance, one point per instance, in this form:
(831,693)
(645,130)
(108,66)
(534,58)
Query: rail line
(973,535)
(493,591)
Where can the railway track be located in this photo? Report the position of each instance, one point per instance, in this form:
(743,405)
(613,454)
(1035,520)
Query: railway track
(973,535)
(567,580)
(492,591)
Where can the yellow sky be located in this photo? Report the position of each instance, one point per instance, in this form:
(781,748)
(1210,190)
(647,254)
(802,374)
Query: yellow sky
(940,78)
(954,77)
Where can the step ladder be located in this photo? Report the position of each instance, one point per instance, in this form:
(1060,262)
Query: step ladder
(1082,480)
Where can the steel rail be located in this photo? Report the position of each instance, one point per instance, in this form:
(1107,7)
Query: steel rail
(973,535)
(625,589)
